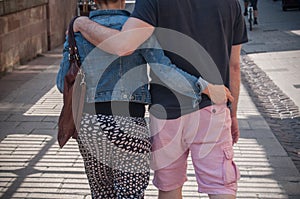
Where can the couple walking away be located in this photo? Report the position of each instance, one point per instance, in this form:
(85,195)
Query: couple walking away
(192,90)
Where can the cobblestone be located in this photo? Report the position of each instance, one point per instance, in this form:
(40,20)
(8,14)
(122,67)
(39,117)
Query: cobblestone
(279,110)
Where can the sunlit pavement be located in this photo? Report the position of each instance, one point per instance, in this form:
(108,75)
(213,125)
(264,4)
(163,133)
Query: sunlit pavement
(33,166)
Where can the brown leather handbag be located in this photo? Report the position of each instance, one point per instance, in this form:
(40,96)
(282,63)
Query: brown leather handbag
(73,94)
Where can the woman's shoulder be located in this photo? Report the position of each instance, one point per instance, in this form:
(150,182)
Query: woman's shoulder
(110,18)
(98,14)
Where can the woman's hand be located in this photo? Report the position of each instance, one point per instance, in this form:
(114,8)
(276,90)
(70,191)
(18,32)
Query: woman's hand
(219,94)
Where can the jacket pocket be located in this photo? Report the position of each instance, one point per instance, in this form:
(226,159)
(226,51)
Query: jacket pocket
(231,172)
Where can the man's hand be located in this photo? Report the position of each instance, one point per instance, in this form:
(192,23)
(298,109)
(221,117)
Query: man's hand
(235,132)
(219,94)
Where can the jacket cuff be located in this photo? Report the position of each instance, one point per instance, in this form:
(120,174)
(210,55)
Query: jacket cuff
(201,84)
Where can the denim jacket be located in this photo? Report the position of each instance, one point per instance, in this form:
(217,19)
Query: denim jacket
(113,78)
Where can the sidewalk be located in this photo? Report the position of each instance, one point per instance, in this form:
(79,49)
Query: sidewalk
(274,45)
(33,166)
(272,71)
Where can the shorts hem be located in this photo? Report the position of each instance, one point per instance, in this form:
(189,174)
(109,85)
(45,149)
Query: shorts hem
(220,191)
(168,187)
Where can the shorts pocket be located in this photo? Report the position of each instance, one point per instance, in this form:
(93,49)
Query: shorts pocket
(231,172)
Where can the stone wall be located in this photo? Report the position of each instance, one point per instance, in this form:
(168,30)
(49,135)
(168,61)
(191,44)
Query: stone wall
(30,27)
(60,12)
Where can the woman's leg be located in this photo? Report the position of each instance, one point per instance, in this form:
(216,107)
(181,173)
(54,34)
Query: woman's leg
(131,151)
(93,149)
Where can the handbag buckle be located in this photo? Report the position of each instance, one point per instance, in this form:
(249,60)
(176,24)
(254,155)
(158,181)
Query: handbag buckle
(82,77)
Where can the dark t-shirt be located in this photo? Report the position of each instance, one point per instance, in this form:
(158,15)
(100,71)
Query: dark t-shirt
(121,108)
(197,36)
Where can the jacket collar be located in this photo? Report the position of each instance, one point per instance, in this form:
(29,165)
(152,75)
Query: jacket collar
(96,13)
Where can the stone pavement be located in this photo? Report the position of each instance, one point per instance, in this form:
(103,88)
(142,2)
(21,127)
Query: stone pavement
(33,166)
(271,70)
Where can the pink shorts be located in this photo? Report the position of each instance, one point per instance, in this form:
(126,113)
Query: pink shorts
(207,135)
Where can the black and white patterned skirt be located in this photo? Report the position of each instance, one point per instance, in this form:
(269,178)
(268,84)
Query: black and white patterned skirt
(116,154)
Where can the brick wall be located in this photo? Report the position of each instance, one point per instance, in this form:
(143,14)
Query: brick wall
(60,12)
(30,27)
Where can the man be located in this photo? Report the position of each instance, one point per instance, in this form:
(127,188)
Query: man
(208,131)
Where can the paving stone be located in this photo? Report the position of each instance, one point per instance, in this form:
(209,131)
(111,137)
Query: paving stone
(3,117)
(18,117)
(272,147)
(257,133)
(19,195)
(294,196)
(244,124)
(55,195)
(30,126)
(286,162)
(50,132)
(265,166)
(292,188)
(51,119)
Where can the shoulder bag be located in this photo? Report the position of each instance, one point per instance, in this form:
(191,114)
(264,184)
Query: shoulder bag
(73,94)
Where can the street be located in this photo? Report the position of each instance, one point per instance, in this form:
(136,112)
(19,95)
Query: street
(268,153)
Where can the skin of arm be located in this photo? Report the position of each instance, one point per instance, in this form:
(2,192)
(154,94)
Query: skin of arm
(168,73)
(133,34)
(235,81)
(179,80)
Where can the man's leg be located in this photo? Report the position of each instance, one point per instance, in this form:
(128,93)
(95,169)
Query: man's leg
(246,3)
(169,156)
(255,11)
(212,153)
(255,17)
(213,196)
(174,194)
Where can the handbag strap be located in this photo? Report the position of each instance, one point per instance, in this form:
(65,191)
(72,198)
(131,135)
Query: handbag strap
(73,50)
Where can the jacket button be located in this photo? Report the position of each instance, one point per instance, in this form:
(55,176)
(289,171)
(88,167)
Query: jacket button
(132,97)
(214,111)
(125,96)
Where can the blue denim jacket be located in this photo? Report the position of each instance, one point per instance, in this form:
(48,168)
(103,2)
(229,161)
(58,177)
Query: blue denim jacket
(113,78)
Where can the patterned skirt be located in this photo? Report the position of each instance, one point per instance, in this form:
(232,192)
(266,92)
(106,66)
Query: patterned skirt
(116,154)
